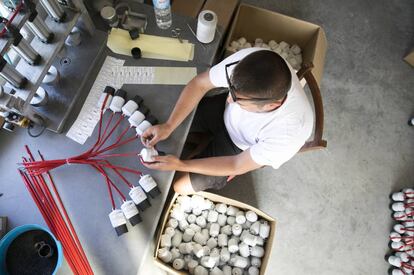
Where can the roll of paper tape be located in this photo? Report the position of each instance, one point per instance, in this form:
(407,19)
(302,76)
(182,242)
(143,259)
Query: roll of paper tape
(206,26)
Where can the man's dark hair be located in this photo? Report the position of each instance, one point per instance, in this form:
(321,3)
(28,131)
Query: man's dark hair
(262,74)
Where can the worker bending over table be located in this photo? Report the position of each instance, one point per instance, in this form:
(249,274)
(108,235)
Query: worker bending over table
(264,120)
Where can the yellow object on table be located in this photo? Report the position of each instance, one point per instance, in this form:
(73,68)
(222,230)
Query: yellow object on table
(151,46)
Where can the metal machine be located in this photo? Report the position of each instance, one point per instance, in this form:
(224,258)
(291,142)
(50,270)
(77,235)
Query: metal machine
(47,51)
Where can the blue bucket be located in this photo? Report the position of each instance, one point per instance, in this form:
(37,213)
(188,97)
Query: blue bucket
(9,238)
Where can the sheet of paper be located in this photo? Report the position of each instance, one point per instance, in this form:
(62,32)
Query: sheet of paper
(115,74)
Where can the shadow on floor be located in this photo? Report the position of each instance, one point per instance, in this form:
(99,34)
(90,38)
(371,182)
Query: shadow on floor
(241,188)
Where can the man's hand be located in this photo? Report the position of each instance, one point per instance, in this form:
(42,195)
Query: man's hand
(165,163)
(154,134)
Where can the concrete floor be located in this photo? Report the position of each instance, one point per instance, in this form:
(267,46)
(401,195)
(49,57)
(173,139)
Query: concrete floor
(332,205)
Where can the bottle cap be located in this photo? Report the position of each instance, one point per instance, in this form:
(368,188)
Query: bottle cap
(109,90)
(136,53)
(134,33)
(120,93)
(137,99)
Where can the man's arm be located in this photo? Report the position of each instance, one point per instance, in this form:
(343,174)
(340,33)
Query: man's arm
(213,166)
(191,95)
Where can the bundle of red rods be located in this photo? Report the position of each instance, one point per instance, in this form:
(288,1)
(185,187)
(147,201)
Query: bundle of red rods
(35,172)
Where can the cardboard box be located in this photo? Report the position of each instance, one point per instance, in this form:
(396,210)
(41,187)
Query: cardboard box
(225,10)
(252,22)
(410,58)
(189,8)
(216,199)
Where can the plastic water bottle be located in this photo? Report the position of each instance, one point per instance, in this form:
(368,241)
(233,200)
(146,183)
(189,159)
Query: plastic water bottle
(162,9)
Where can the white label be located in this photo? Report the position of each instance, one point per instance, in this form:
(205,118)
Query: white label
(117,218)
(137,195)
(129,209)
(147,183)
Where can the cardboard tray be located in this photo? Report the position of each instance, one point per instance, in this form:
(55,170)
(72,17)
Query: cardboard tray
(252,22)
(216,198)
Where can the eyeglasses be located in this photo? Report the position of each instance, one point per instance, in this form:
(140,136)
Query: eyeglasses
(232,89)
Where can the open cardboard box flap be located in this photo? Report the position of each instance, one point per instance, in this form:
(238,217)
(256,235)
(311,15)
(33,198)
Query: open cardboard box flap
(252,22)
(216,198)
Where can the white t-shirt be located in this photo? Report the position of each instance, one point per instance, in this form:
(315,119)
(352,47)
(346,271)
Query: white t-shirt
(273,137)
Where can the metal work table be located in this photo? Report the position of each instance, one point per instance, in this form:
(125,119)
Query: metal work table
(83,190)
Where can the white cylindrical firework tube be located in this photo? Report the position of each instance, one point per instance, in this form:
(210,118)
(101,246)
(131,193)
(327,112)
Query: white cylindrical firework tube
(131,106)
(233,245)
(149,185)
(138,116)
(239,261)
(177,238)
(201,221)
(131,212)
(236,229)
(398,206)
(253,270)
(255,228)
(221,208)
(251,216)
(118,101)
(191,218)
(198,250)
(236,271)
(212,216)
(397,272)
(222,219)
(398,196)
(175,253)
(191,265)
(200,238)
(255,261)
(118,221)
(222,240)
(185,202)
(178,264)
(195,227)
(216,271)
(226,230)
(148,154)
(226,270)
(172,223)
(399,216)
(231,220)
(212,242)
(139,197)
(183,225)
(200,270)
(204,214)
(108,91)
(224,254)
(207,261)
(177,213)
(232,210)
(214,229)
(257,251)
(188,235)
(185,248)
(240,217)
(165,240)
(394,261)
(169,231)
(395,237)
(165,255)
(264,231)
(244,250)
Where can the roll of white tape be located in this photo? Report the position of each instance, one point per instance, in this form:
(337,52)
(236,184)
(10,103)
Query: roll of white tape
(206,26)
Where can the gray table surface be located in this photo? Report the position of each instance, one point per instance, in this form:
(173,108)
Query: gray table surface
(83,191)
